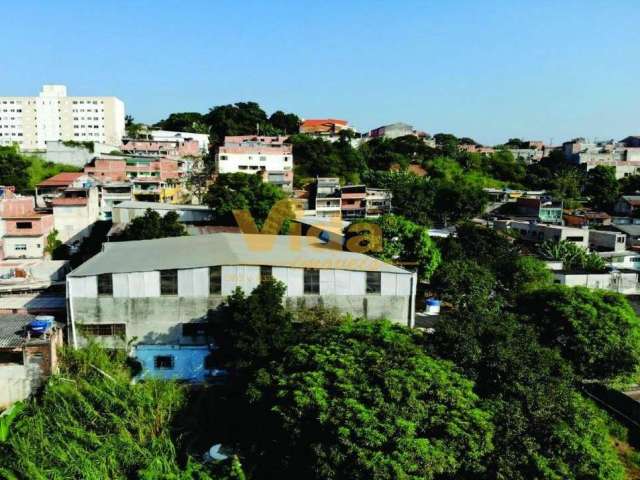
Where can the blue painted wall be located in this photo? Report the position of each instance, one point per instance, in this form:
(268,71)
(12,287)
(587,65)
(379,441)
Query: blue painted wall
(188,362)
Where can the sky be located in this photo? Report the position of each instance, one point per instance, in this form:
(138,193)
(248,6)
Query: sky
(490,70)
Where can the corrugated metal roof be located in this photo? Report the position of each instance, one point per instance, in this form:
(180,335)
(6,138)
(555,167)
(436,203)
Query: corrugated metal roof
(226,249)
(159,206)
(12,330)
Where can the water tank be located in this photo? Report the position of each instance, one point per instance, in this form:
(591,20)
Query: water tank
(432,306)
(41,324)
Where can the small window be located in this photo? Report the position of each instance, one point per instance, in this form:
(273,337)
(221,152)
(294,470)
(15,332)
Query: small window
(265,274)
(163,362)
(373,282)
(105,284)
(21,246)
(168,282)
(311,281)
(215,280)
(197,329)
(575,239)
(23,225)
(103,329)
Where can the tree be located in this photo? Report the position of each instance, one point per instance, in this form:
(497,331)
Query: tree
(134,129)
(242,118)
(447,144)
(530,273)
(362,400)
(183,122)
(406,243)
(463,283)
(152,225)
(240,191)
(602,187)
(572,256)
(316,157)
(13,168)
(630,185)
(457,201)
(285,123)
(596,331)
(54,246)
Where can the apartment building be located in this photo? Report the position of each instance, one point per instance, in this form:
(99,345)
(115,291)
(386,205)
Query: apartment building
(251,154)
(168,135)
(161,148)
(625,160)
(326,197)
(53,116)
(359,201)
(75,212)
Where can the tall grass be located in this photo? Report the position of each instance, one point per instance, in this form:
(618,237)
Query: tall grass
(90,422)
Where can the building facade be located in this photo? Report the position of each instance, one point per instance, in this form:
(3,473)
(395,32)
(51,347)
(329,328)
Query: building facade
(53,116)
(252,154)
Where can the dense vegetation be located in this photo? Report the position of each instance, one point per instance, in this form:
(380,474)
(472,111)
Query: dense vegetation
(25,171)
(91,422)
(152,225)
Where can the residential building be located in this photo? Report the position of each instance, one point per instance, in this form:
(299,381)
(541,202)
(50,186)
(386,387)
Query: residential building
(24,231)
(395,130)
(326,197)
(353,201)
(541,208)
(539,232)
(606,240)
(54,186)
(627,205)
(625,160)
(26,358)
(324,127)
(632,231)
(75,212)
(621,281)
(252,154)
(160,292)
(167,135)
(622,260)
(161,148)
(527,155)
(586,218)
(473,148)
(53,116)
(378,202)
(112,194)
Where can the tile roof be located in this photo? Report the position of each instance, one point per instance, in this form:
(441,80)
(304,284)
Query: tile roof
(323,121)
(73,202)
(61,179)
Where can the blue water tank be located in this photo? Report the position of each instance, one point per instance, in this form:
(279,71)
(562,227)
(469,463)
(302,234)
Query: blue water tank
(432,306)
(41,324)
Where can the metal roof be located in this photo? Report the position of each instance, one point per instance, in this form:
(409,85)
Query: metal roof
(226,249)
(633,230)
(12,330)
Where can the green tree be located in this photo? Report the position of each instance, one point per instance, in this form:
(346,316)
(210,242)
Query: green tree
(240,191)
(183,122)
(285,123)
(362,400)
(54,246)
(13,168)
(457,201)
(406,243)
(242,118)
(596,331)
(447,144)
(152,225)
(602,187)
(463,283)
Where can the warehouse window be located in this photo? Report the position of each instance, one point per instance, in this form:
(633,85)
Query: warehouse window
(373,282)
(215,280)
(265,274)
(311,281)
(105,284)
(103,329)
(163,362)
(168,282)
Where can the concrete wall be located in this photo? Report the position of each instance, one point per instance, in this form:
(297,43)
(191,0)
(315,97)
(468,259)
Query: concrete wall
(34,247)
(626,283)
(152,318)
(58,152)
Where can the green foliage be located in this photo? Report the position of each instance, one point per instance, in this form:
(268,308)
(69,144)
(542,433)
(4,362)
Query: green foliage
(240,191)
(530,274)
(26,171)
(602,187)
(183,122)
(406,243)
(90,146)
(91,422)
(572,256)
(152,225)
(596,331)
(463,283)
(285,123)
(242,118)
(6,419)
(54,246)
(316,157)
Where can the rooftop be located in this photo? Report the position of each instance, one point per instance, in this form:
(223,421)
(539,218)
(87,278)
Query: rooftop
(226,249)
(159,206)
(13,331)
(61,179)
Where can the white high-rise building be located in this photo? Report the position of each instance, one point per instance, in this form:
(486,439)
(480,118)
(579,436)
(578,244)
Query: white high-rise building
(53,116)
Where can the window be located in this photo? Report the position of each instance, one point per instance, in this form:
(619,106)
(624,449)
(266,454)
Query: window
(373,282)
(195,329)
(163,362)
(103,329)
(575,239)
(620,239)
(23,225)
(311,281)
(168,282)
(105,284)
(21,246)
(215,280)
(265,274)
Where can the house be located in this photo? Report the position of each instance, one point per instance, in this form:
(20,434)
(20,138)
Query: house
(543,209)
(326,197)
(328,127)
(160,291)
(621,281)
(253,154)
(622,260)
(353,201)
(201,138)
(53,187)
(538,232)
(23,231)
(161,148)
(112,194)
(395,130)
(624,159)
(632,231)
(586,218)
(27,356)
(627,204)
(75,212)
(604,240)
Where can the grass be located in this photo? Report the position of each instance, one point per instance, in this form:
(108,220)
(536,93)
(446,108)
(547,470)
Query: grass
(40,169)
